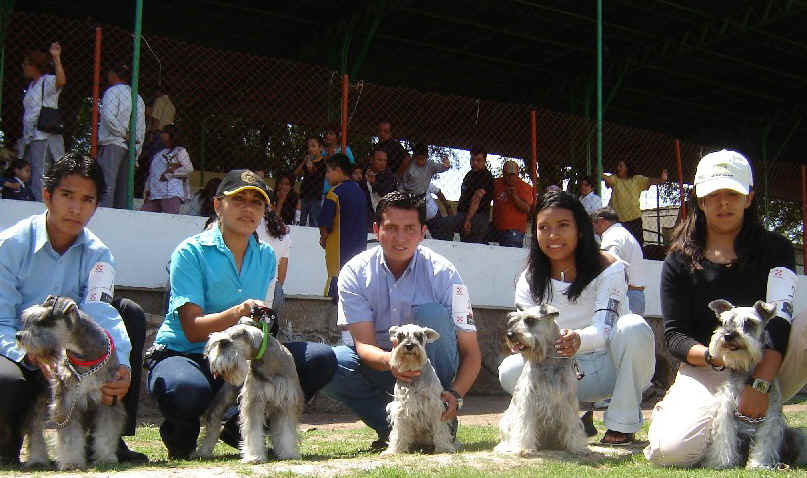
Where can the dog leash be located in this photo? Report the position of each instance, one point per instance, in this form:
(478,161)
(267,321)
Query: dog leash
(746,419)
(264,340)
(577,372)
(97,365)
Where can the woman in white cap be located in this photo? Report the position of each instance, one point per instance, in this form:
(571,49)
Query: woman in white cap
(720,251)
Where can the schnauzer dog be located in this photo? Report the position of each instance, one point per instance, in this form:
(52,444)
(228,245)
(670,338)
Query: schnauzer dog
(247,356)
(415,411)
(543,411)
(736,439)
(82,358)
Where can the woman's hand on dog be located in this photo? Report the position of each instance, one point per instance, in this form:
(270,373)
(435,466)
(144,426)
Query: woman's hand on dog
(752,404)
(568,343)
(112,392)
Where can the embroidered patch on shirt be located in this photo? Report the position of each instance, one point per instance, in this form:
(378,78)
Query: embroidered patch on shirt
(781,291)
(101,284)
(461,311)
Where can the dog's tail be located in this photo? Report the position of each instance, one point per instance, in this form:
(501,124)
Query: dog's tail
(794,447)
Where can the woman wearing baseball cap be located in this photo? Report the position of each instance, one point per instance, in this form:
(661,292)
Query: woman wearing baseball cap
(721,251)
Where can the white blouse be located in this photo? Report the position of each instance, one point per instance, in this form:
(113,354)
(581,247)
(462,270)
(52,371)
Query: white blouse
(177,183)
(594,312)
(32,104)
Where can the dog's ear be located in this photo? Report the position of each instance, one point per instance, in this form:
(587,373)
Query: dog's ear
(247,321)
(50,301)
(67,308)
(719,306)
(431,335)
(765,310)
(393,331)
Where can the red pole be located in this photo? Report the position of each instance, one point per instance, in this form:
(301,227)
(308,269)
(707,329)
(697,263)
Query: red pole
(345,84)
(534,150)
(680,179)
(804,216)
(96,86)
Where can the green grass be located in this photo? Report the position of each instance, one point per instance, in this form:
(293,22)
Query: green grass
(345,453)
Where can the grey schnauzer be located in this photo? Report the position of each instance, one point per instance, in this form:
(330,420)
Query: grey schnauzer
(415,411)
(81,355)
(737,439)
(247,356)
(543,411)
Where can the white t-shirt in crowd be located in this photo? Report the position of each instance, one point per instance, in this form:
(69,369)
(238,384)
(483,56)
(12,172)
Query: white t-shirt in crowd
(177,183)
(32,104)
(589,314)
(591,202)
(431,203)
(281,246)
(620,242)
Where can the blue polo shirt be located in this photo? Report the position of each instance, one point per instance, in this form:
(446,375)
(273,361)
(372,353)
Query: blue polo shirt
(203,272)
(31,270)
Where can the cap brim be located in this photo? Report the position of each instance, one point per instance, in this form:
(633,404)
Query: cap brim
(244,188)
(708,187)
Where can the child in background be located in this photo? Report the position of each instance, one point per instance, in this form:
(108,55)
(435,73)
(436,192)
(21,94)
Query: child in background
(312,170)
(342,221)
(15,181)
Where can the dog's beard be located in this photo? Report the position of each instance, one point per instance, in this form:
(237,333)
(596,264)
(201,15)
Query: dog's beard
(228,364)
(408,360)
(526,346)
(43,349)
(740,355)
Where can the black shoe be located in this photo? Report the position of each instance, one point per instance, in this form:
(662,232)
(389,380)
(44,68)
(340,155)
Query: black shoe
(588,423)
(174,453)
(230,434)
(125,455)
(382,443)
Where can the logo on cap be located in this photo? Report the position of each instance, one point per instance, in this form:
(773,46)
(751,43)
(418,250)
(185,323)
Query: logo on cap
(249,177)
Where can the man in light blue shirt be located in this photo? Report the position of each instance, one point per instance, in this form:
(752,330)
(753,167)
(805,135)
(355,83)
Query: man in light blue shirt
(54,254)
(401,282)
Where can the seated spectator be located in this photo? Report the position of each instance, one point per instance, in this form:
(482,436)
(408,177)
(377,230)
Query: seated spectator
(201,204)
(591,202)
(343,220)
(287,201)
(620,242)
(15,181)
(168,186)
(396,154)
(369,181)
(385,181)
(312,170)
(419,175)
(432,209)
(473,209)
(512,200)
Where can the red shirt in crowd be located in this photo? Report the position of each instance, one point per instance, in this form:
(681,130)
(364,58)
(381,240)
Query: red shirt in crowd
(505,213)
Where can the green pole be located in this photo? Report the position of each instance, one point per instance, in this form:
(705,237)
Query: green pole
(135,85)
(598,178)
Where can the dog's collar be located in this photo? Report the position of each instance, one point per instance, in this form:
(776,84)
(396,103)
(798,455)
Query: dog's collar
(264,340)
(92,363)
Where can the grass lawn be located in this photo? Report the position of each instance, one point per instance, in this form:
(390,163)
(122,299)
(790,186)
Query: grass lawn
(344,453)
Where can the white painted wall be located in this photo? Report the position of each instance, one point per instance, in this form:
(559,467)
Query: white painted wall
(142,242)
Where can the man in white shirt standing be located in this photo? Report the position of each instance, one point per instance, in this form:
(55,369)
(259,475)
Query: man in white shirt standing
(620,242)
(113,136)
(591,202)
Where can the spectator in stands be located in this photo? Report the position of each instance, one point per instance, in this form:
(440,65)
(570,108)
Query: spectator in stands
(620,242)
(40,148)
(287,201)
(15,181)
(312,170)
(343,220)
(358,176)
(385,180)
(53,253)
(432,209)
(473,209)
(512,200)
(217,277)
(333,145)
(626,188)
(397,156)
(274,232)
(427,291)
(202,202)
(159,114)
(168,184)
(113,136)
(162,109)
(591,202)
(369,180)
(421,170)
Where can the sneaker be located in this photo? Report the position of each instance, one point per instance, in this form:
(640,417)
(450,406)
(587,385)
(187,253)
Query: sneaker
(588,424)
(125,455)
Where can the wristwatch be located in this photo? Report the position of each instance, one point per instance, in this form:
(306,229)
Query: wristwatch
(457,396)
(761,386)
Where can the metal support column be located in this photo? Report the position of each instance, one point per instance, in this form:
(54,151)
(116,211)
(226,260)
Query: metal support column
(135,84)
(598,173)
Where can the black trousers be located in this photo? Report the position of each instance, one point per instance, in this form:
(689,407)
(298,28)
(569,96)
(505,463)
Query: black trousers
(19,386)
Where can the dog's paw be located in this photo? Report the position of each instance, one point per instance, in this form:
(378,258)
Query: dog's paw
(198,453)
(503,448)
(527,452)
(36,463)
(755,465)
(252,460)
(289,456)
(71,466)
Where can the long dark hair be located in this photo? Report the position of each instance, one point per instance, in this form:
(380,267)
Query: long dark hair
(689,236)
(587,258)
(206,195)
(274,224)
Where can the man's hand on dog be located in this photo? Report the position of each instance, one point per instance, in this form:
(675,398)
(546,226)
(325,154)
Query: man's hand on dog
(568,343)
(112,392)
(752,403)
(451,412)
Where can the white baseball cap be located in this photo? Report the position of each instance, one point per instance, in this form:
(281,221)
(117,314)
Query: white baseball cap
(723,170)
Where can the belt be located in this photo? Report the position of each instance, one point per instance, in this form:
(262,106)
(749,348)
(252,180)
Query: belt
(635,287)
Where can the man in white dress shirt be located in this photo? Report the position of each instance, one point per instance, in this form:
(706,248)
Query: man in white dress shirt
(113,136)
(619,241)
(591,202)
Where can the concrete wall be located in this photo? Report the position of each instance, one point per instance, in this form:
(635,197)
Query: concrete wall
(142,242)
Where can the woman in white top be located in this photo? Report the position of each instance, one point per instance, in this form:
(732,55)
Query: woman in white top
(40,147)
(167,186)
(613,348)
(274,232)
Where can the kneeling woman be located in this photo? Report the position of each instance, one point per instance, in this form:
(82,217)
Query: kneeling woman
(613,348)
(216,278)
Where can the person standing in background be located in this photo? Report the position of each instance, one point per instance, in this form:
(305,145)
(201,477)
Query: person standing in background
(626,190)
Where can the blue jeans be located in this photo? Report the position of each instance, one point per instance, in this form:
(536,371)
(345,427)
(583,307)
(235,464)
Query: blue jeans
(636,301)
(510,238)
(309,212)
(367,392)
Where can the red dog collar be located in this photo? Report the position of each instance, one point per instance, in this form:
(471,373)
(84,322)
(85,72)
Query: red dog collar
(92,363)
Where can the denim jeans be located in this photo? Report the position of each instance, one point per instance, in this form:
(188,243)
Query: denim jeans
(510,238)
(636,301)
(309,212)
(367,392)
